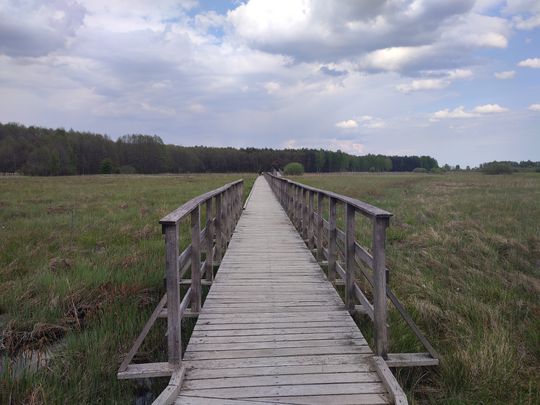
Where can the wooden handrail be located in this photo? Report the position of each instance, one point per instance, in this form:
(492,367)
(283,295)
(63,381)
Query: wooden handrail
(344,255)
(179,213)
(223,207)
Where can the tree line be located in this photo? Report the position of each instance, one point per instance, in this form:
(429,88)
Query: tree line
(51,152)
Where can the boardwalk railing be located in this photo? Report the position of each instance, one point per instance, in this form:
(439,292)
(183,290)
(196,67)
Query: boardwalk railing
(222,208)
(344,256)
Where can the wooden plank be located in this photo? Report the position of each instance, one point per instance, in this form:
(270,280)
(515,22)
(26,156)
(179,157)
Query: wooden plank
(290,379)
(189,400)
(170,393)
(394,390)
(289,390)
(343,399)
(147,370)
(379,287)
(411,360)
(195,259)
(349,257)
(174,335)
(201,374)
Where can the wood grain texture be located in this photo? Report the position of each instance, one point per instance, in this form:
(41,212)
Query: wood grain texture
(273,329)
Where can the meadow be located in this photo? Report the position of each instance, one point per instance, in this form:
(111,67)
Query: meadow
(81,269)
(82,259)
(464,254)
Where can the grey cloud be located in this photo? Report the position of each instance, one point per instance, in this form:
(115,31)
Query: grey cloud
(332,72)
(37,29)
(17,39)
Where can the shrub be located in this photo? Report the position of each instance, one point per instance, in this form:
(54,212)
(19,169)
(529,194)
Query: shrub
(497,168)
(293,169)
(437,170)
(106,166)
(419,170)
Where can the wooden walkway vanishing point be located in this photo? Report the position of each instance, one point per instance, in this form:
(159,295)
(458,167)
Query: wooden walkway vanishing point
(273,328)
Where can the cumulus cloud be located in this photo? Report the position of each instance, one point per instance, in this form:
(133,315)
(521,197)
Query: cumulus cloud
(387,36)
(530,63)
(460,112)
(347,124)
(505,75)
(440,82)
(489,109)
(534,107)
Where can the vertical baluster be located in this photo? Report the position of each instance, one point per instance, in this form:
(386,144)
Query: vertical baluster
(218,228)
(379,289)
(349,257)
(320,237)
(311,227)
(195,260)
(174,336)
(209,262)
(332,234)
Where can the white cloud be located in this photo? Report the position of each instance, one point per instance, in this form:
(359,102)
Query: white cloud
(347,124)
(348,146)
(531,63)
(534,107)
(489,109)
(507,74)
(460,112)
(434,83)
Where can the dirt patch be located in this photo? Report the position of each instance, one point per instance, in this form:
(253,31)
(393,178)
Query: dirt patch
(15,340)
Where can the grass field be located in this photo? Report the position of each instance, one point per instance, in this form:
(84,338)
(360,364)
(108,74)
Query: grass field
(464,250)
(81,268)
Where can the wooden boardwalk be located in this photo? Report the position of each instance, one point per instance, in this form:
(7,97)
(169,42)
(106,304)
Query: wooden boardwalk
(273,329)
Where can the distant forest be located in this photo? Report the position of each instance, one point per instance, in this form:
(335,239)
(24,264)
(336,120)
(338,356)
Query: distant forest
(52,152)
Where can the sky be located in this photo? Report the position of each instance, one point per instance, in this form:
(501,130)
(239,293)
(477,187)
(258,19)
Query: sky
(458,80)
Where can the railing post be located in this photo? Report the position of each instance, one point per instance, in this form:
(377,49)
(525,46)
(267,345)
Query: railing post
(311,227)
(379,289)
(332,235)
(304,214)
(349,257)
(320,199)
(174,336)
(209,260)
(218,228)
(195,260)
